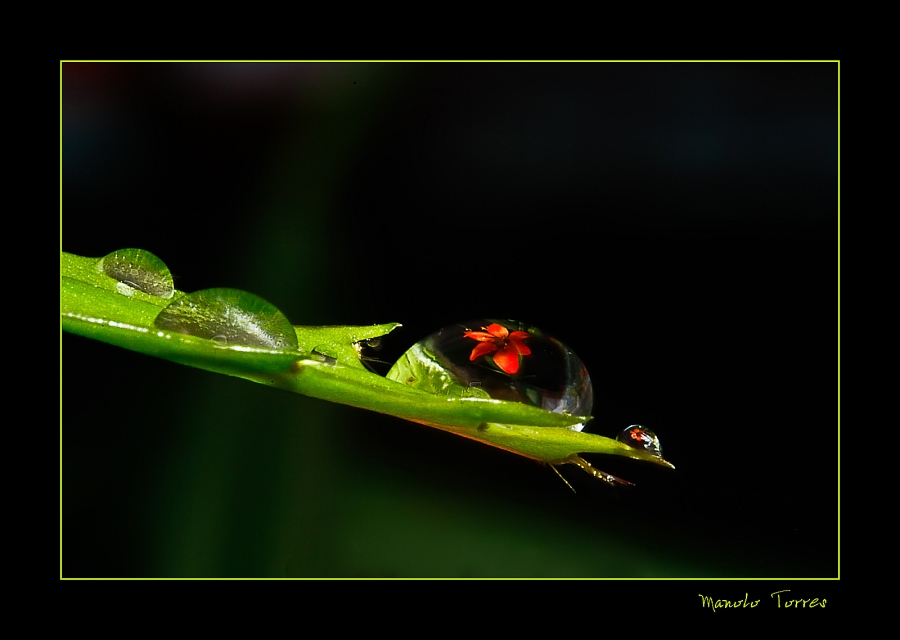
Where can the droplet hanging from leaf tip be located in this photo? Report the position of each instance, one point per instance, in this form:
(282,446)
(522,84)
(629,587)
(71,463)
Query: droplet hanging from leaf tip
(229,317)
(139,270)
(642,438)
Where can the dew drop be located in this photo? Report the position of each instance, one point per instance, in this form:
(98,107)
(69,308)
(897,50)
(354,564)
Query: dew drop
(500,359)
(139,269)
(323,357)
(229,317)
(641,438)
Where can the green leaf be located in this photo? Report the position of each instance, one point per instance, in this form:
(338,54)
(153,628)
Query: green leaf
(126,299)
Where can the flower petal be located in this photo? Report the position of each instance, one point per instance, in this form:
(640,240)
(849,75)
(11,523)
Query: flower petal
(515,339)
(482,349)
(507,359)
(480,336)
(520,347)
(497,330)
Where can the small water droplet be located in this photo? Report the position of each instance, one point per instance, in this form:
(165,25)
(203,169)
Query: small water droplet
(139,269)
(323,357)
(229,316)
(641,438)
(500,359)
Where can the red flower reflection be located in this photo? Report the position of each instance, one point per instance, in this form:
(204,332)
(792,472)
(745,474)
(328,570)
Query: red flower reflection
(640,436)
(506,346)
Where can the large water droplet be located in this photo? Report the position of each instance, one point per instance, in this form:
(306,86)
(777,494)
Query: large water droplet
(641,438)
(139,269)
(229,316)
(500,359)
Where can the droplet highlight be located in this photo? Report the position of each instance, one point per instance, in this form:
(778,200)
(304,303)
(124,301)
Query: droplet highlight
(229,317)
(140,270)
(642,438)
(500,359)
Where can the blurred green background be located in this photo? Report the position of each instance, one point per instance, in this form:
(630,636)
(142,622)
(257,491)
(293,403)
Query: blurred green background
(675,224)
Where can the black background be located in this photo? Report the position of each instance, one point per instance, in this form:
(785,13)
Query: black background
(674,223)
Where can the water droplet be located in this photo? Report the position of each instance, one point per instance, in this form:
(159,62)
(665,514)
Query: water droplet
(641,438)
(315,354)
(229,316)
(139,269)
(500,359)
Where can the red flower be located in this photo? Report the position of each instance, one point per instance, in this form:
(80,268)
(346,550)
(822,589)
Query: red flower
(506,346)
